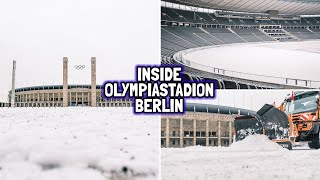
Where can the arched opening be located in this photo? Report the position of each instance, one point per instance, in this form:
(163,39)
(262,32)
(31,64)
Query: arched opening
(252,87)
(230,85)
(218,83)
(244,86)
(187,77)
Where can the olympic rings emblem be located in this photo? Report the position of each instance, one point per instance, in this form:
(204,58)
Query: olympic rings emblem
(79,67)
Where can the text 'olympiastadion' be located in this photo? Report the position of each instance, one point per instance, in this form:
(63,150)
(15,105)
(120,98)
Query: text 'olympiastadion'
(158,89)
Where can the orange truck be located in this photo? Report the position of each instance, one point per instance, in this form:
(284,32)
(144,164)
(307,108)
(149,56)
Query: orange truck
(296,120)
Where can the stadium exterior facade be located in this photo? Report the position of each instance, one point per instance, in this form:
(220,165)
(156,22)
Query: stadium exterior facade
(204,125)
(63,95)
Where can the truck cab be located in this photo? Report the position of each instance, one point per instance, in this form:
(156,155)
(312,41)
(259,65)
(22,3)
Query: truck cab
(303,109)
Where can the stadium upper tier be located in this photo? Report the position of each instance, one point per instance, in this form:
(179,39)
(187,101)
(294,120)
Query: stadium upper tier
(289,7)
(183,30)
(182,16)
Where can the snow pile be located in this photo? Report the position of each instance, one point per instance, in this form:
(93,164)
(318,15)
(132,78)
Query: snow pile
(77,144)
(255,142)
(255,157)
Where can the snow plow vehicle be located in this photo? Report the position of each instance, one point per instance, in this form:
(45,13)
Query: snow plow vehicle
(296,120)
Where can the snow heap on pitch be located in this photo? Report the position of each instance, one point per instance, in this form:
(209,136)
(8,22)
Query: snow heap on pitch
(255,143)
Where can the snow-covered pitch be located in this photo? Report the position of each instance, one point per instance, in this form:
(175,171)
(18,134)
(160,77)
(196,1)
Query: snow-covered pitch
(286,59)
(78,144)
(256,157)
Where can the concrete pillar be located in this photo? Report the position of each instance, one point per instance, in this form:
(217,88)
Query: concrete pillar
(207,132)
(88,96)
(219,133)
(70,98)
(65,82)
(53,100)
(93,83)
(13,93)
(167,133)
(76,98)
(194,132)
(48,100)
(230,133)
(181,132)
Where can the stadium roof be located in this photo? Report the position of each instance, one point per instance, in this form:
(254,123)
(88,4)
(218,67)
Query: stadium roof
(289,7)
(209,108)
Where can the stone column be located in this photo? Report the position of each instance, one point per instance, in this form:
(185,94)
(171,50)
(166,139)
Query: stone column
(82,97)
(230,133)
(65,82)
(219,133)
(53,100)
(58,102)
(76,98)
(167,133)
(70,98)
(194,132)
(13,93)
(93,83)
(207,132)
(181,132)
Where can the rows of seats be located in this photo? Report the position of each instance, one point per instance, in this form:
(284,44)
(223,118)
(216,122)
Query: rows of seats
(224,35)
(187,33)
(302,33)
(252,34)
(175,37)
(177,15)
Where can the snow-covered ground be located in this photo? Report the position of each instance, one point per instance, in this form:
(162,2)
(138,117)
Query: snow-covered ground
(288,59)
(253,158)
(77,144)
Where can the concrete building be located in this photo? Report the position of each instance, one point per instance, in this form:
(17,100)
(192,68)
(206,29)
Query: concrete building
(64,95)
(204,125)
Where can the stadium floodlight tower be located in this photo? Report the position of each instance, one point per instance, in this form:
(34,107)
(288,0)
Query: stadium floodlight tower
(13,94)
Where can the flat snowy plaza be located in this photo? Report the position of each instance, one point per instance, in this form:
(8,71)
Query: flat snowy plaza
(77,144)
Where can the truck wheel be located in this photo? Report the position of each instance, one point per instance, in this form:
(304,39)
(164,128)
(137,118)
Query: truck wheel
(290,145)
(310,144)
(315,144)
(316,141)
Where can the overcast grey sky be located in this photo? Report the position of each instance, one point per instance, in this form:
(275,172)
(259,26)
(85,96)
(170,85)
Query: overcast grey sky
(38,34)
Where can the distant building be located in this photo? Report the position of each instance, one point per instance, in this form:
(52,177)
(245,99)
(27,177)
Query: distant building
(204,125)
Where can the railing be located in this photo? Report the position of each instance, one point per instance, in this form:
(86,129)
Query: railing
(299,83)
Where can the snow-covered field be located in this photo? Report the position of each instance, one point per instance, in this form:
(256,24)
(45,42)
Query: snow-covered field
(286,59)
(77,144)
(253,158)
